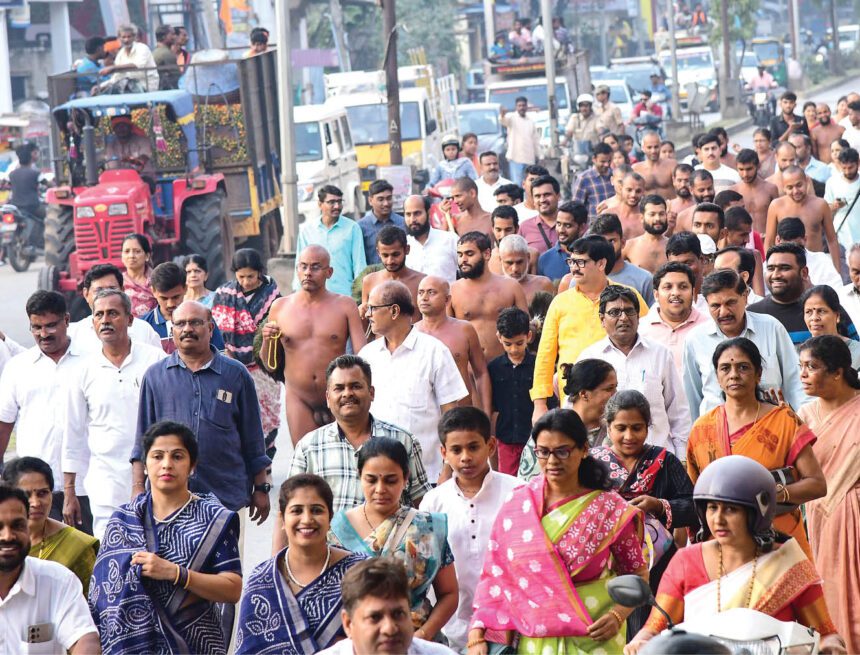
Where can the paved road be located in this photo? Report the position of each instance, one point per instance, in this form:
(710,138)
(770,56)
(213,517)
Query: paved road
(16,287)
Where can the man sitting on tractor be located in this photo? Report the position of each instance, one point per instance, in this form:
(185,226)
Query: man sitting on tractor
(130,145)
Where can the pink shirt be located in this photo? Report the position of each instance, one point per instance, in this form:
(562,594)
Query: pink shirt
(653,327)
(530,230)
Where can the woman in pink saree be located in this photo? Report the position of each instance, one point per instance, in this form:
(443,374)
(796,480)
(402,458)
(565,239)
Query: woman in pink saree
(834,521)
(543,585)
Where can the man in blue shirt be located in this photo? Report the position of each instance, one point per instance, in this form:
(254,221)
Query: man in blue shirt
(340,236)
(570,223)
(89,67)
(168,286)
(214,396)
(381,199)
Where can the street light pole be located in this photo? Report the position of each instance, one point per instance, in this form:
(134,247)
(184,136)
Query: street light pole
(289,181)
(392,83)
(673,50)
(725,69)
(549,59)
(490,25)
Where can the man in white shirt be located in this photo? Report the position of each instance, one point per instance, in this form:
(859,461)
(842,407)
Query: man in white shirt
(133,55)
(376,615)
(415,376)
(8,349)
(489,181)
(31,393)
(106,276)
(431,251)
(642,365)
(851,123)
(849,295)
(42,604)
(471,500)
(102,398)
(840,193)
(710,149)
(523,139)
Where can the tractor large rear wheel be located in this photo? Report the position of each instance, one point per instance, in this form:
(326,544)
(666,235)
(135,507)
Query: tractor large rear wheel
(59,236)
(268,242)
(209,232)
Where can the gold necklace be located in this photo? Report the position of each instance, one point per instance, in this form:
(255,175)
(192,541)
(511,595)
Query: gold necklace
(42,542)
(721,572)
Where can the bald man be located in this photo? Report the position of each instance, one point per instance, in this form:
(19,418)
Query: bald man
(471,216)
(460,337)
(813,211)
(309,328)
(514,253)
(786,155)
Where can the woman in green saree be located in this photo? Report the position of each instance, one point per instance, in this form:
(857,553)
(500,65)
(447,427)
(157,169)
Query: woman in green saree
(50,539)
(382,526)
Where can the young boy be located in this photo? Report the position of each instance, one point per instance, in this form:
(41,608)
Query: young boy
(471,499)
(511,376)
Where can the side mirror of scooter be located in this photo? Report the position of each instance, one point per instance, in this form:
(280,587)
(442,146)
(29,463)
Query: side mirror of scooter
(633,591)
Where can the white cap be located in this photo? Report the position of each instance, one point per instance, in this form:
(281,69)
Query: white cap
(707,243)
(585,97)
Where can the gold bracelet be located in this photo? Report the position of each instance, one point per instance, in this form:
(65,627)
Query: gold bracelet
(617,617)
(188,581)
(178,572)
(470,644)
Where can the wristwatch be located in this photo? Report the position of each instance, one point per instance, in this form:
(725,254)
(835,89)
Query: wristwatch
(265,487)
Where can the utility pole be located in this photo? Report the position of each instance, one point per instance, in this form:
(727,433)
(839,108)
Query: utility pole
(392,83)
(5,76)
(673,50)
(490,24)
(835,54)
(289,181)
(549,59)
(792,32)
(336,12)
(726,68)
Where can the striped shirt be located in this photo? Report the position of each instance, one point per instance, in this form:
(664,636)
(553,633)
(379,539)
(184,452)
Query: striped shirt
(591,189)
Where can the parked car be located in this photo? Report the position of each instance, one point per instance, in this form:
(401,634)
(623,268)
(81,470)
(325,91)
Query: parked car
(484,119)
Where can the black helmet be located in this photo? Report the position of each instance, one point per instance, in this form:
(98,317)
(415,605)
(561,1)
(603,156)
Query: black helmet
(678,642)
(741,481)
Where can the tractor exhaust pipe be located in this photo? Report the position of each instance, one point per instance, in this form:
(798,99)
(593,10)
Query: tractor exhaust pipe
(89,142)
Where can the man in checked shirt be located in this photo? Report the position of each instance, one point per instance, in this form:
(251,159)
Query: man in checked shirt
(595,185)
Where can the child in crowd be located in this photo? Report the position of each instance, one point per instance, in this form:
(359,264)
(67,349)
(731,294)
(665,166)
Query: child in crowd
(471,499)
(453,165)
(511,376)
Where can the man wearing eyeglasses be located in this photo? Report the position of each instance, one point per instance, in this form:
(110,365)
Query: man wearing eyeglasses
(31,383)
(215,397)
(642,365)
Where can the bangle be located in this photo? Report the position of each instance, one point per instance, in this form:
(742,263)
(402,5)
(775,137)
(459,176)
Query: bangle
(667,512)
(188,581)
(68,486)
(476,642)
(617,617)
(138,484)
(178,573)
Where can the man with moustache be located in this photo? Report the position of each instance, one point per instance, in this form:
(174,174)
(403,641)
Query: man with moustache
(460,337)
(813,211)
(380,197)
(490,180)
(506,222)
(215,396)
(710,149)
(648,251)
(595,185)
(480,295)
(431,251)
(43,602)
(392,249)
(527,208)
(825,133)
(101,405)
(683,194)
(308,328)
(514,257)
(656,171)
(416,378)
(702,190)
(757,193)
(540,231)
(571,223)
(31,383)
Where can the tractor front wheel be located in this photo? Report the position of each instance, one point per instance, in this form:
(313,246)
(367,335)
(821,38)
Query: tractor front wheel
(59,236)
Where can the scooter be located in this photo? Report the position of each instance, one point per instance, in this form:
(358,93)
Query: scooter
(738,631)
(21,236)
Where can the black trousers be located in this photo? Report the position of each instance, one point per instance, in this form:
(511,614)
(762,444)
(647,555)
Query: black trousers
(86,514)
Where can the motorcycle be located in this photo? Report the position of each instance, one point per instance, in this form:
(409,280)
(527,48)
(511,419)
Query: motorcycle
(22,236)
(438,193)
(738,631)
(760,104)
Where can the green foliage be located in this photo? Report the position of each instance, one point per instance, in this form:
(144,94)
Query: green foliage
(742,20)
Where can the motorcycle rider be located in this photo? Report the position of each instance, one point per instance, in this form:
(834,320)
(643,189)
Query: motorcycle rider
(453,166)
(584,125)
(24,181)
(744,562)
(761,82)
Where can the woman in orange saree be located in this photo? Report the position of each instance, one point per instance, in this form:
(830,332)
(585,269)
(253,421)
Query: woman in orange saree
(745,425)
(834,521)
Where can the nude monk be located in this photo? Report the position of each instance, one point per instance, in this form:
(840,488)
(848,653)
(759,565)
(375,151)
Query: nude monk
(505,222)
(460,337)
(514,257)
(702,188)
(392,247)
(656,171)
(813,211)
(757,193)
(480,295)
(628,211)
(825,133)
(314,325)
(471,217)
(648,250)
(786,155)
(617,179)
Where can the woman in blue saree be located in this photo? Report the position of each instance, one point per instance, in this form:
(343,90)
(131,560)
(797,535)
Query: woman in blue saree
(292,602)
(381,526)
(167,559)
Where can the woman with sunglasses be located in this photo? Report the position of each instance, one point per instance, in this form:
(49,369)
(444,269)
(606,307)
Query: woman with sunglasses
(567,516)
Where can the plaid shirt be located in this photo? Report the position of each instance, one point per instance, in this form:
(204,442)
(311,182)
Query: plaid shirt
(591,189)
(327,453)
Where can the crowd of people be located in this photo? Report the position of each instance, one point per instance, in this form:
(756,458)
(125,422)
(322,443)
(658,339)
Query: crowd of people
(487,422)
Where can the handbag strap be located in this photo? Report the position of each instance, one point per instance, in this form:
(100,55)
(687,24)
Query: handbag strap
(848,213)
(546,238)
(395,537)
